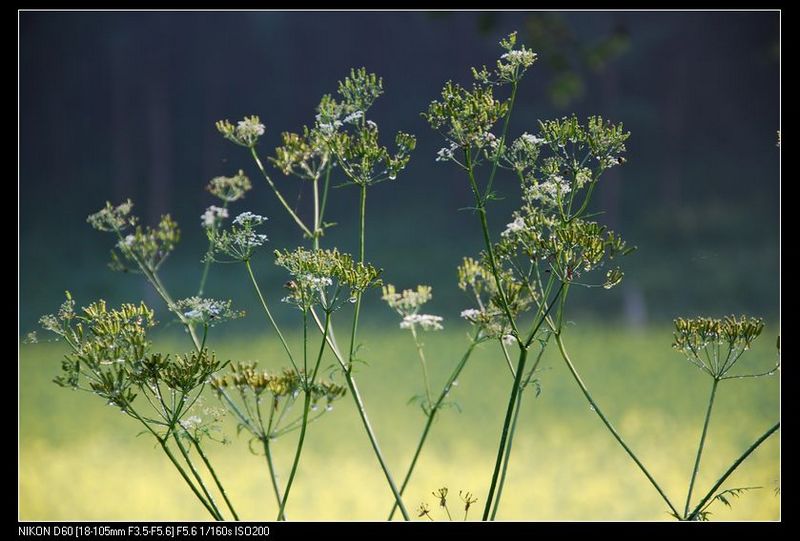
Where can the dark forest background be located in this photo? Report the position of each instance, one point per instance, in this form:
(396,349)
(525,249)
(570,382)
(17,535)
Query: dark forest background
(117,105)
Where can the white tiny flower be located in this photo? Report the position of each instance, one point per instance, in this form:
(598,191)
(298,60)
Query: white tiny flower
(193,315)
(127,241)
(509,339)
(532,139)
(514,227)
(353,117)
(212,215)
(470,314)
(425,321)
(249,129)
(374,126)
(191,422)
(444,155)
(248,218)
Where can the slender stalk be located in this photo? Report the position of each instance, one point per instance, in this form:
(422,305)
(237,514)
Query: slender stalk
(488,243)
(421,355)
(152,277)
(308,383)
(318,212)
(269,315)
(507,456)
(292,213)
(163,443)
(374,441)
(213,473)
(502,138)
(702,444)
(733,467)
(346,366)
(523,356)
(517,409)
(196,492)
(301,439)
(207,265)
(196,475)
(272,475)
(515,391)
(325,186)
(429,421)
(361,233)
(611,429)
(354,392)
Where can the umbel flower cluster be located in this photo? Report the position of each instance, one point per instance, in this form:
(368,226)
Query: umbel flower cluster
(516,284)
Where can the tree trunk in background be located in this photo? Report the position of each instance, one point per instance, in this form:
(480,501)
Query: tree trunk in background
(159,178)
(674,122)
(122,167)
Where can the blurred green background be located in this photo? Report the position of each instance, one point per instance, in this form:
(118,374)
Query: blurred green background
(117,105)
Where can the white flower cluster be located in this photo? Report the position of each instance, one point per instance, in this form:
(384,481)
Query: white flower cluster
(522,57)
(213,215)
(447,153)
(509,340)
(425,321)
(191,422)
(200,310)
(532,139)
(583,177)
(353,117)
(250,128)
(248,240)
(607,161)
(249,219)
(491,140)
(514,227)
(317,282)
(127,242)
(471,314)
(549,190)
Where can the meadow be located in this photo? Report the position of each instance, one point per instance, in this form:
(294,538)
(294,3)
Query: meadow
(81,460)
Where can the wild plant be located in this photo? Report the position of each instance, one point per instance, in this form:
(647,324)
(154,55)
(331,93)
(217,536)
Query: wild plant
(517,286)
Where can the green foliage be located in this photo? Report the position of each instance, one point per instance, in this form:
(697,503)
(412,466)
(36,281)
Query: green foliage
(324,277)
(230,189)
(715,345)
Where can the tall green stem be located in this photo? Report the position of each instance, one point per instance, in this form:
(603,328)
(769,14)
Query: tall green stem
(513,431)
(164,447)
(362,412)
(523,356)
(506,124)
(733,467)
(611,429)
(269,315)
(197,476)
(301,439)
(308,386)
(515,391)
(292,213)
(272,475)
(481,208)
(361,233)
(185,476)
(429,421)
(421,355)
(213,473)
(702,444)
